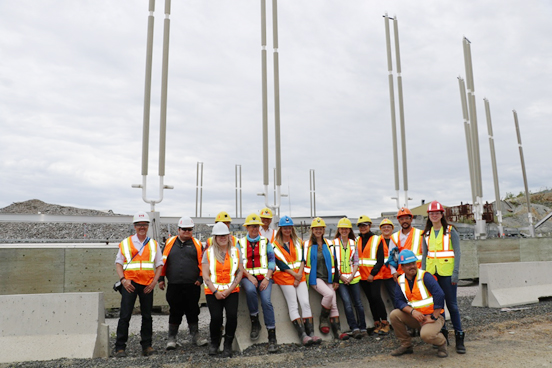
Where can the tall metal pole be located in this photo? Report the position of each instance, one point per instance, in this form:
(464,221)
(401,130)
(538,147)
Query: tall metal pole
(264,97)
(278,173)
(197,189)
(467,131)
(312,193)
(495,170)
(147,90)
(201,192)
(527,196)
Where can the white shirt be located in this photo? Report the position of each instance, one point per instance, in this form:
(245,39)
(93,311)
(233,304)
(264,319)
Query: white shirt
(120,259)
(270,234)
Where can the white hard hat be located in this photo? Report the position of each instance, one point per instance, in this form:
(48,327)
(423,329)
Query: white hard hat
(220,228)
(186,222)
(141,217)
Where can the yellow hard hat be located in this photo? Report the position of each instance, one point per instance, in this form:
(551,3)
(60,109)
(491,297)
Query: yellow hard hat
(223,217)
(318,222)
(266,213)
(345,223)
(364,219)
(386,221)
(252,219)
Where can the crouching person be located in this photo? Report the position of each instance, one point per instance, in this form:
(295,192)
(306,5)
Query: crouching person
(419,301)
(222,273)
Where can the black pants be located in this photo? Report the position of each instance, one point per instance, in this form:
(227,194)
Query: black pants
(216,307)
(373,293)
(127,305)
(183,299)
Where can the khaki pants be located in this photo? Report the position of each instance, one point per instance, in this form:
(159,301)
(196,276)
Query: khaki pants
(429,333)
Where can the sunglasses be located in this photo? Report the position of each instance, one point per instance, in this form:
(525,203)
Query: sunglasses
(185,229)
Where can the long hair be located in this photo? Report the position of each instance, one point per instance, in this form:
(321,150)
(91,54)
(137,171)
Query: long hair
(313,239)
(294,238)
(429,225)
(219,254)
(350,236)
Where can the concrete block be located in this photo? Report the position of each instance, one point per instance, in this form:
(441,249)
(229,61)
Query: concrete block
(510,284)
(52,326)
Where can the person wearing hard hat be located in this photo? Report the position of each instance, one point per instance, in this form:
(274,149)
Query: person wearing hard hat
(288,250)
(419,301)
(182,266)
(259,264)
(441,258)
(225,218)
(139,263)
(349,287)
(223,270)
(265,230)
(407,237)
(323,275)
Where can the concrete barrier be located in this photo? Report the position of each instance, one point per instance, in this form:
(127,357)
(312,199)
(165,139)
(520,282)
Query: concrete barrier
(510,284)
(52,326)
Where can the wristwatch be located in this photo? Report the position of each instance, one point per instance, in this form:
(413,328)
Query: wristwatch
(434,318)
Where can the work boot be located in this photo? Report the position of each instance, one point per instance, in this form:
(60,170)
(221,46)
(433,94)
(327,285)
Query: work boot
(214,345)
(460,348)
(309,330)
(336,329)
(227,352)
(385,328)
(356,334)
(402,350)
(272,343)
(324,323)
(306,340)
(171,340)
(196,338)
(255,328)
(445,333)
(120,353)
(148,351)
(442,351)
(377,327)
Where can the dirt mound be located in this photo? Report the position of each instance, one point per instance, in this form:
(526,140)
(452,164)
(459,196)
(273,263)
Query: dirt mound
(34,206)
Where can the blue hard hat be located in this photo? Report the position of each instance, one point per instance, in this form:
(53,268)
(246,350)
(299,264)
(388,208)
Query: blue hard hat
(285,221)
(407,256)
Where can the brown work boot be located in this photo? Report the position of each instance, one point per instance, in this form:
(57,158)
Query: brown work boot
(403,350)
(442,351)
(148,351)
(385,328)
(377,325)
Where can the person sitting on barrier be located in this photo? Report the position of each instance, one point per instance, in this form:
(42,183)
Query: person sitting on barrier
(441,257)
(349,288)
(222,273)
(323,275)
(288,250)
(139,263)
(419,301)
(258,264)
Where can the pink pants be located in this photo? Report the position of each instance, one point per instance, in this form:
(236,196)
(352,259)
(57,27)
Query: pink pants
(329,299)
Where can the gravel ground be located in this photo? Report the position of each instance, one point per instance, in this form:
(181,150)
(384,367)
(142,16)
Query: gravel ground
(475,321)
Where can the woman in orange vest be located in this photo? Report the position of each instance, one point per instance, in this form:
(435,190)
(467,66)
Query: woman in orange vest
(288,250)
(323,276)
(441,257)
(222,273)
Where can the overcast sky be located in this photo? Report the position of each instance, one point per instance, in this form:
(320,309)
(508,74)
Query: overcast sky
(72,90)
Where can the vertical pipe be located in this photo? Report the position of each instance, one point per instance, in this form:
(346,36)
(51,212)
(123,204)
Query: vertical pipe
(147,89)
(314,191)
(401,110)
(527,196)
(310,192)
(264,96)
(278,173)
(201,193)
(164,82)
(467,132)
(236,175)
(197,187)
(241,192)
(495,170)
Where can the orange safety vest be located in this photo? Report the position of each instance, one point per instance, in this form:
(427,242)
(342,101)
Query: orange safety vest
(292,259)
(384,272)
(168,247)
(345,260)
(413,242)
(419,297)
(440,254)
(141,268)
(223,275)
(367,258)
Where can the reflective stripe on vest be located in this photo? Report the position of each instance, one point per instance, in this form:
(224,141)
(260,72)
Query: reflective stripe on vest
(307,250)
(413,242)
(216,269)
(294,264)
(419,297)
(372,256)
(346,268)
(137,264)
(263,256)
(446,242)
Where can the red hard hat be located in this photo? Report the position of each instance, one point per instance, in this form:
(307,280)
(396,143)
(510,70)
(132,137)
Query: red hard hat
(435,207)
(404,212)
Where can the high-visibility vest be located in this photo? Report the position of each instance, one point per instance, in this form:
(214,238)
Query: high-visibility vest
(384,272)
(292,259)
(419,297)
(260,253)
(307,251)
(367,257)
(222,275)
(209,241)
(344,258)
(413,242)
(440,254)
(168,247)
(141,268)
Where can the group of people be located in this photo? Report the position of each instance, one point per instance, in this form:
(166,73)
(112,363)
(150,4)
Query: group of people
(418,269)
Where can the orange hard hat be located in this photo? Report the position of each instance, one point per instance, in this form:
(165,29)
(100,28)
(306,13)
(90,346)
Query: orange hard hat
(404,212)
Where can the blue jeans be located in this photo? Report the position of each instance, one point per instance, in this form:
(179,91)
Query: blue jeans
(450,299)
(390,285)
(252,293)
(346,292)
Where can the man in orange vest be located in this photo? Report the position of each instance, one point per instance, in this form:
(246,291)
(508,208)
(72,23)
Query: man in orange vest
(182,258)
(139,263)
(419,301)
(407,237)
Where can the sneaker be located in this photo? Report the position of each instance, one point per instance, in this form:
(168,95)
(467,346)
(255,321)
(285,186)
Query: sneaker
(148,351)
(402,350)
(363,333)
(357,334)
(120,354)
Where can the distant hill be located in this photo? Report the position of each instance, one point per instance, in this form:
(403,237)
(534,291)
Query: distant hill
(34,206)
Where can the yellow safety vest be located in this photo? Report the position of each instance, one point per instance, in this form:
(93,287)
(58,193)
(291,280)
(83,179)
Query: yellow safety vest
(344,260)
(440,254)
